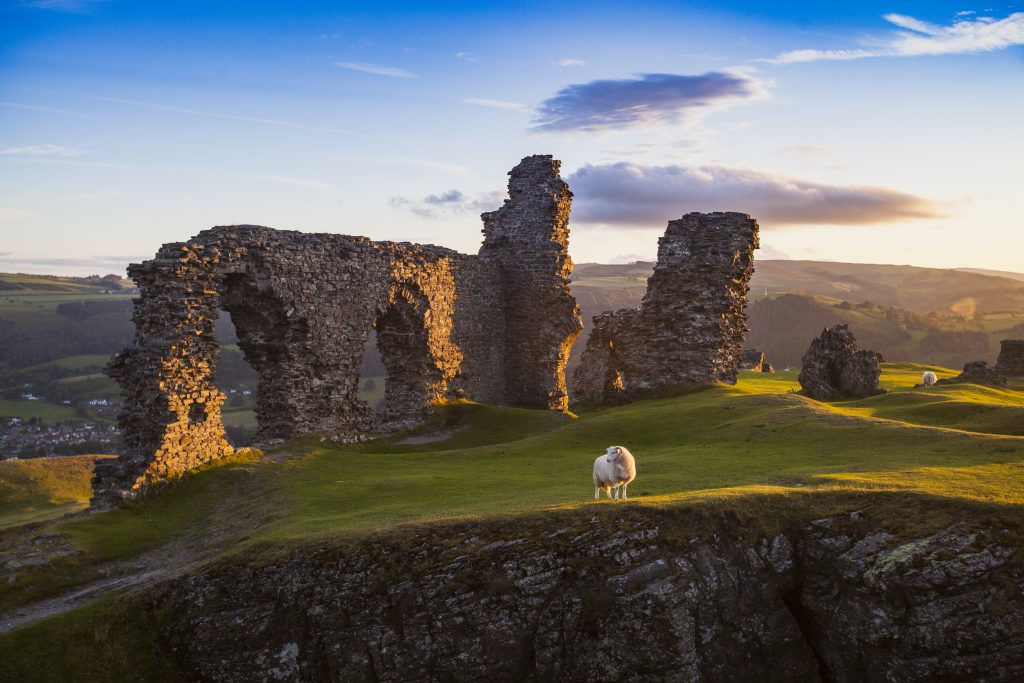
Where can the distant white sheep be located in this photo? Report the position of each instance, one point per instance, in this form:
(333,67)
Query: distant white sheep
(615,469)
(929,378)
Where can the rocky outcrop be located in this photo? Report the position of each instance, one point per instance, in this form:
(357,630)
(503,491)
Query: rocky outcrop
(689,327)
(654,596)
(495,328)
(1011,358)
(977,372)
(834,367)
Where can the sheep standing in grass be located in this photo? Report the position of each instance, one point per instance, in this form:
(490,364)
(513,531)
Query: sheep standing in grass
(929,378)
(615,469)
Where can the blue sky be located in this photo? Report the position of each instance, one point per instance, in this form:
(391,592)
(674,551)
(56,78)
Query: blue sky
(873,132)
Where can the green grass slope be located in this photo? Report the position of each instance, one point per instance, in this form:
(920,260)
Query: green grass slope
(722,441)
(757,447)
(42,488)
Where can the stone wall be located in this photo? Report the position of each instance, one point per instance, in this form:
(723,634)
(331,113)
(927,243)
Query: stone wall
(303,305)
(689,327)
(1011,357)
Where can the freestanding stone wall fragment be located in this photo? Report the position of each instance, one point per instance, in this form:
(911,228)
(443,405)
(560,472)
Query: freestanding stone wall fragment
(495,328)
(1011,358)
(689,327)
(529,238)
(834,367)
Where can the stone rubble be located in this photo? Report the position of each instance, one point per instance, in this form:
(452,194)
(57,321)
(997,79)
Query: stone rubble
(977,372)
(756,361)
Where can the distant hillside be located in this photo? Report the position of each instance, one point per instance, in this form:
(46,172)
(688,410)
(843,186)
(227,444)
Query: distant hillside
(920,290)
(93,284)
(945,317)
(996,273)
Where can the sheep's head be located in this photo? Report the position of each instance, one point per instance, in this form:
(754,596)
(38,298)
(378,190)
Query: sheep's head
(614,453)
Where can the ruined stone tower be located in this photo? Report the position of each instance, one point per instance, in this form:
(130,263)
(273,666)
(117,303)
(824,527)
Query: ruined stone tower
(1011,357)
(689,327)
(529,237)
(496,328)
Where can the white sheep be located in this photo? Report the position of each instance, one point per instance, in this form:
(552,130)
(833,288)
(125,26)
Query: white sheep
(615,469)
(929,378)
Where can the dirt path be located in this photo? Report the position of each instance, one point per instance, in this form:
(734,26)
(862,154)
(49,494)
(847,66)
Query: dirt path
(233,520)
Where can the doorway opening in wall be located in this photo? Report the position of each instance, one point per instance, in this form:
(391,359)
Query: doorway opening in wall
(372,375)
(239,382)
(397,378)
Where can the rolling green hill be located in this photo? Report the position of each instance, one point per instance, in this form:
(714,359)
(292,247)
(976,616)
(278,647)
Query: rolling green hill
(755,447)
(717,441)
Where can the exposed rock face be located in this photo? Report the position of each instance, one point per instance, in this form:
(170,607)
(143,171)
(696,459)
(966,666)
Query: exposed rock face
(495,327)
(1011,358)
(690,325)
(977,372)
(754,360)
(630,598)
(833,367)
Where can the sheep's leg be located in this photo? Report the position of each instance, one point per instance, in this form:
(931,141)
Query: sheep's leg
(616,492)
(624,496)
(597,492)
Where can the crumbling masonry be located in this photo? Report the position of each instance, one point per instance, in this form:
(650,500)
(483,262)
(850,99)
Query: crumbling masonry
(1011,358)
(690,326)
(496,327)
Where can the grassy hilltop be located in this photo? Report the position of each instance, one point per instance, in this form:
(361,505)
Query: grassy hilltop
(756,446)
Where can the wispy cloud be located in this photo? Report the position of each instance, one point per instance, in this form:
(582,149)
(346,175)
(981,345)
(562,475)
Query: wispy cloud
(805,152)
(286,181)
(247,119)
(69,6)
(648,99)
(44,109)
(11,214)
(376,69)
(100,195)
(452,202)
(569,61)
(497,104)
(95,264)
(46,150)
(466,56)
(410,162)
(633,195)
(966,35)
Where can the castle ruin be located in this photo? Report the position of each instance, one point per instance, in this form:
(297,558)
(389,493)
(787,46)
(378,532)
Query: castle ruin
(496,327)
(690,326)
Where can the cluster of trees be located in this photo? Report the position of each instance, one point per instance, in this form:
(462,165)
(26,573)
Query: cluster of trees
(31,340)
